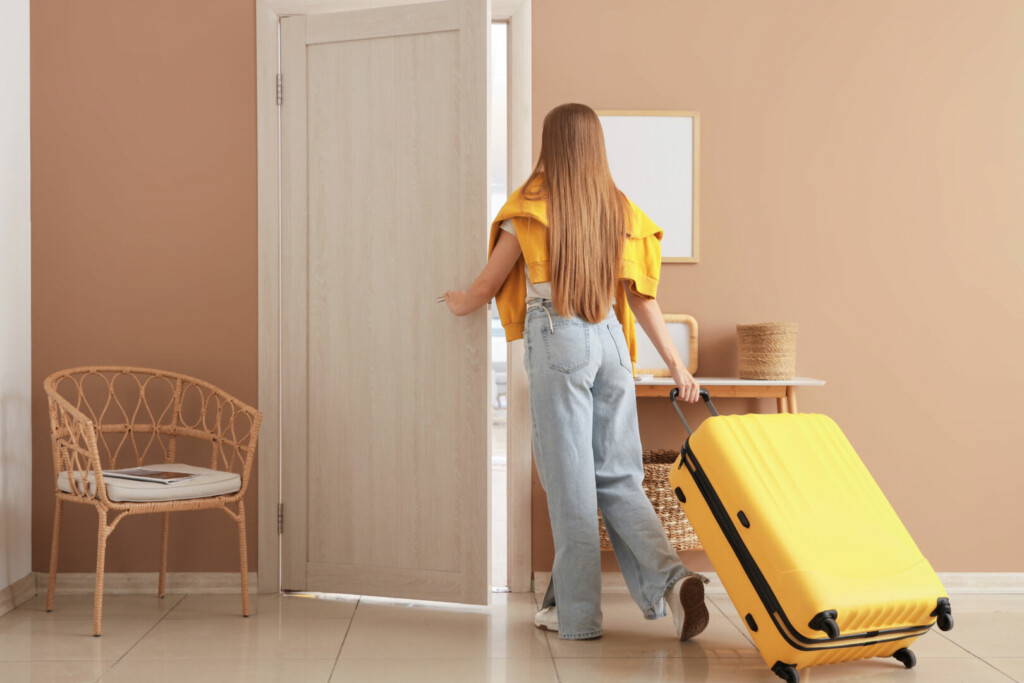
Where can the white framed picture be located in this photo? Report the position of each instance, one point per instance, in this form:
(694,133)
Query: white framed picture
(654,159)
(683,330)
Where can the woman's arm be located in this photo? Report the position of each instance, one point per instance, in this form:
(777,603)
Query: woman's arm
(505,254)
(648,314)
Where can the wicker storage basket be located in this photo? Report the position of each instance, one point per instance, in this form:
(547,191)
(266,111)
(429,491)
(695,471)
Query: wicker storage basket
(657,464)
(767,350)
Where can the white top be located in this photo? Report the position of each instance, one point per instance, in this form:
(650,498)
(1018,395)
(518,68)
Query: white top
(541,290)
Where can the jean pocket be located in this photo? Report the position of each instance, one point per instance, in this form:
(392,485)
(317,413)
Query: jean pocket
(567,346)
(619,341)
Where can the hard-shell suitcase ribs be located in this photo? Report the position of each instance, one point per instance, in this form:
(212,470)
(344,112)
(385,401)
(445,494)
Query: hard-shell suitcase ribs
(812,554)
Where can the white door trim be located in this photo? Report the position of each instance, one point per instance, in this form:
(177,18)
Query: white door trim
(268,15)
(268,152)
(520,429)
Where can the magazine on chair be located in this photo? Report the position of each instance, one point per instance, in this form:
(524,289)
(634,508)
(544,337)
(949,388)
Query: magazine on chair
(151,474)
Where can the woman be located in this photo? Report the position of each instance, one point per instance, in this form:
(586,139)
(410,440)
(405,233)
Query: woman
(565,249)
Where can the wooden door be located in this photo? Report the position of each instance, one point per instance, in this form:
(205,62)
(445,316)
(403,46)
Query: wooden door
(385,430)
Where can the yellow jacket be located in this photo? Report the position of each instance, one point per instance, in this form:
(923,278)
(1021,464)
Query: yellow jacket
(641,263)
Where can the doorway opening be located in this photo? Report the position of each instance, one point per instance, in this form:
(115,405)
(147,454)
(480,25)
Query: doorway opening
(497,180)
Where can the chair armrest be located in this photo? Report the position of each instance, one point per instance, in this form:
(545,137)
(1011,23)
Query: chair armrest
(75,450)
(230,424)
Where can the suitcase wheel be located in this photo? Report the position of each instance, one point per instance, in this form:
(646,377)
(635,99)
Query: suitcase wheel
(906,657)
(826,621)
(831,628)
(786,672)
(943,614)
(945,622)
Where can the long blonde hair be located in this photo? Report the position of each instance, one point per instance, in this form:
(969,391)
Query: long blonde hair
(587,219)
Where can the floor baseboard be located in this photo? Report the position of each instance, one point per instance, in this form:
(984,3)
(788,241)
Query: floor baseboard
(955,582)
(983,582)
(22,590)
(227,582)
(145,582)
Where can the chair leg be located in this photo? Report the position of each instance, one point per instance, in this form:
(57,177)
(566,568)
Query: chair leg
(101,556)
(243,556)
(51,585)
(161,589)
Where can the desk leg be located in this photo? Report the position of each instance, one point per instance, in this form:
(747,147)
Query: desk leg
(791,399)
(781,405)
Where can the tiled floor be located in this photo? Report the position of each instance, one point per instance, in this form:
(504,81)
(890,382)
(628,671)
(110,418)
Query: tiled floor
(200,638)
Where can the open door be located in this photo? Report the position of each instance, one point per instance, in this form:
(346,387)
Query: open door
(384,419)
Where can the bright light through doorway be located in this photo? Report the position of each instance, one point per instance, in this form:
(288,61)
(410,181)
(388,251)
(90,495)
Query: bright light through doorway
(497,154)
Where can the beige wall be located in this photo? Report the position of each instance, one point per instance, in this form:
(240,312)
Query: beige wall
(144,244)
(15,341)
(863,174)
(863,164)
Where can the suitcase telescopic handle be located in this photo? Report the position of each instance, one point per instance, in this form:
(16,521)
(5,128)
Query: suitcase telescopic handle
(674,395)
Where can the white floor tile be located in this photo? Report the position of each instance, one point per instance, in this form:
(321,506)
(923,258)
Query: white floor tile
(479,670)
(662,670)
(27,635)
(220,671)
(933,670)
(242,639)
(395,631)
(202,639)
(634,670)
(628,634)
(1012,667)
(989,625)
(77,605)
(51,672)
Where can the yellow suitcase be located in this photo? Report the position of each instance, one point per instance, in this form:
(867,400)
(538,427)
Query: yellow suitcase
(812,554)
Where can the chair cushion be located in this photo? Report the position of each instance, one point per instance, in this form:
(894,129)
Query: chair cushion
(208,483)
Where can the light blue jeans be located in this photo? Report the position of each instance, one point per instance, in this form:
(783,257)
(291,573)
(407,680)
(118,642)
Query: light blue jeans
(586,443)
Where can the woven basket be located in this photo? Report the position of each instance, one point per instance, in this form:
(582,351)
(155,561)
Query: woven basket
(767,350)
(657,465)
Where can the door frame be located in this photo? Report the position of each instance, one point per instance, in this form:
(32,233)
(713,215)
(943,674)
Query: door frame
(517,13)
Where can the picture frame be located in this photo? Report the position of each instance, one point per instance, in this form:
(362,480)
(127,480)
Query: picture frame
(684,332)
(654,156)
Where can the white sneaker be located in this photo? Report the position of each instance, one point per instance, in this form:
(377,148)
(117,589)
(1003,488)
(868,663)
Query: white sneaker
(689,611)
(547,619)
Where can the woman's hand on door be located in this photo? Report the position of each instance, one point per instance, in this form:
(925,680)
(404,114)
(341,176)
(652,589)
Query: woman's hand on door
(458,302)
(504,255)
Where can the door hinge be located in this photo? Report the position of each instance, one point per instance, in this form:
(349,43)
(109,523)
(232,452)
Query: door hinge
(280,89)
(280,518)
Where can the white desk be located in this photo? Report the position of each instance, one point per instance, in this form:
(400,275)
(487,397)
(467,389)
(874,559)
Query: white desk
(782,390)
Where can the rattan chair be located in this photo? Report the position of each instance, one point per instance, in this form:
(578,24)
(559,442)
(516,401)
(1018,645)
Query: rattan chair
(117,417)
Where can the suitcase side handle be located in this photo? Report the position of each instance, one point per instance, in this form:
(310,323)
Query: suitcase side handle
(674,395)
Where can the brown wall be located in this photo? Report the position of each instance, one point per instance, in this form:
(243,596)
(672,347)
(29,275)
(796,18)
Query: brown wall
(862,174)
(144,228)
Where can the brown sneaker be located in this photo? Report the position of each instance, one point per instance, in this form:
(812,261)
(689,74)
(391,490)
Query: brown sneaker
(689,611)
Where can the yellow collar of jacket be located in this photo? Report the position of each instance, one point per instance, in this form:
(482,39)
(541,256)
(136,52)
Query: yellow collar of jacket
(641,262)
